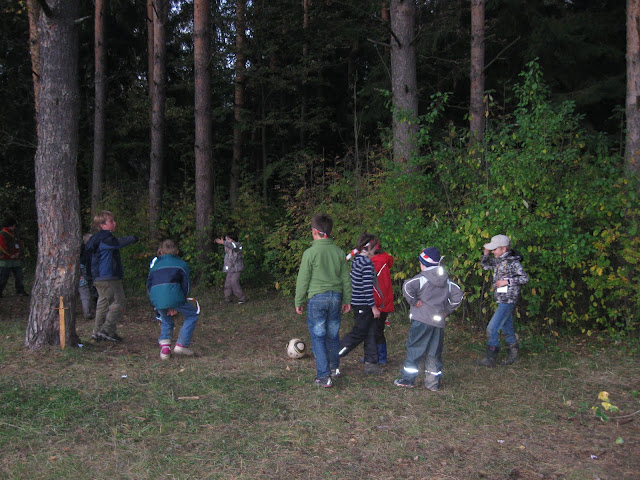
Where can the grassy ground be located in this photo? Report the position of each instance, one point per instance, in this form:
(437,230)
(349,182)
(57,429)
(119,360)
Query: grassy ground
(242,410)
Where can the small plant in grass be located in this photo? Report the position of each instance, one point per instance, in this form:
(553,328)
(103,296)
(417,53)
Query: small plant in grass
(599,411)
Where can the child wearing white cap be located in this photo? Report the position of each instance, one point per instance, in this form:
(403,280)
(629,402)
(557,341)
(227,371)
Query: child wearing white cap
(508,275)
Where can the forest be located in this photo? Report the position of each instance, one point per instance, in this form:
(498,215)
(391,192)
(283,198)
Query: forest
(429,122)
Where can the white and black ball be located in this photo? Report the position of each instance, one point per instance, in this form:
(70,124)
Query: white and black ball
(296,348)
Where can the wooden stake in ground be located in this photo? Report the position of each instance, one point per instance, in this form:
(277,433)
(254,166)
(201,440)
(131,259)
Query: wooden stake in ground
(63,332)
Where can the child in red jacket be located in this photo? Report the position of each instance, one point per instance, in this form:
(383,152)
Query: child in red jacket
(383,296)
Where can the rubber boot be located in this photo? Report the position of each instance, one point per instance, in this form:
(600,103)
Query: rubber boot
(490,358)
(382,354)
(432,381)
(512,355)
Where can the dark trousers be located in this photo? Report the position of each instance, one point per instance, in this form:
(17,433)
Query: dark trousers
(424,344)
(364,330)
(380,327)
(5,272)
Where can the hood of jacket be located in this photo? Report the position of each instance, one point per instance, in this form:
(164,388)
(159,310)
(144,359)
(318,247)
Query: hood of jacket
(437,276)
(380,259)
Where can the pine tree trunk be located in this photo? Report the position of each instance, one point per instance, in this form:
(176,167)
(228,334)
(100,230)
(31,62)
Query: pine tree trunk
(632,148)
(203,148)
(150,17)
(404,84)
(158,98)
(57,198)
(100,120)
(34,48)
(239,102)
(477,107)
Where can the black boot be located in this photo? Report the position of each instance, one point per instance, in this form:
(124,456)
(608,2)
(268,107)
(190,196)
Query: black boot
(490,358)
(513,354)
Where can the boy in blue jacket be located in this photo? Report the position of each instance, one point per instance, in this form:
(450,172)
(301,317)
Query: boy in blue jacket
(102,262)
(168,286)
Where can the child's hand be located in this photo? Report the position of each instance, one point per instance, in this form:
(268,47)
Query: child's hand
(419,303)
(346,308)
(376,312)
(502,283)
(171,312)
(299,310)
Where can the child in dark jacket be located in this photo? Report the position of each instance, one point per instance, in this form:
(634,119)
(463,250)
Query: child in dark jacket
(432,297)
(233,266)
(363,305)
(168,285)
(102,254)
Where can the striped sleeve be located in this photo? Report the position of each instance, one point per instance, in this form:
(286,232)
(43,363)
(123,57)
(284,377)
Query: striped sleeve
(362,273)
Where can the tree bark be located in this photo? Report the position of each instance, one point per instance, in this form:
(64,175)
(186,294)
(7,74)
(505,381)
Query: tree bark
(404,84)
(158,99)
(150,16)
(33,9)
(477,106)
(632,147)
(100,115)
(203,148)
(57,198)
(238,106)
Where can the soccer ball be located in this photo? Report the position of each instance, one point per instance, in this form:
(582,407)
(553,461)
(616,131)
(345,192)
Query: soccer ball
(296,348)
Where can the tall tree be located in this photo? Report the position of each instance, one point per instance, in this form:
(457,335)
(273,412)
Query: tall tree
(476,110)
(404,83)
(57,198)
(238,104)
(100,100)
(203,147)
(158,100)
(632,149)
(150,16)
(33,8)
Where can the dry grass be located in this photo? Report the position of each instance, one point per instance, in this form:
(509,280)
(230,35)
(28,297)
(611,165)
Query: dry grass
(241,409)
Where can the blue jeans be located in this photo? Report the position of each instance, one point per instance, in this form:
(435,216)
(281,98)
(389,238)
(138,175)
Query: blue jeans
(323,322)
(424,342)
(502,320)
(189,312)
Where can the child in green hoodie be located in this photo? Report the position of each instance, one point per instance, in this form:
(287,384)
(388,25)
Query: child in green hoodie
(324,279)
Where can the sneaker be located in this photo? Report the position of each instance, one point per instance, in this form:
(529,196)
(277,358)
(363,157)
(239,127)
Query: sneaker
(324,382)
(114,337)
(165,351)
(96,337)
(240,302)
(335,373)
(372,368)
(403,382)
(158,318)
(179,349)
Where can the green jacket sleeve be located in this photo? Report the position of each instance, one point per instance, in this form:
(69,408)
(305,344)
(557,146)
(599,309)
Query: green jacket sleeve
(304,277)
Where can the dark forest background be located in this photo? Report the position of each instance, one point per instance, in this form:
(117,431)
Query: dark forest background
(316,137)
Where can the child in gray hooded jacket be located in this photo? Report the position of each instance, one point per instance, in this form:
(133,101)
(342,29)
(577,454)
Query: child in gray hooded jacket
(432,297)
(233,266)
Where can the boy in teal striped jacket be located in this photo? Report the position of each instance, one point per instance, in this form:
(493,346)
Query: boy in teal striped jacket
(168,285)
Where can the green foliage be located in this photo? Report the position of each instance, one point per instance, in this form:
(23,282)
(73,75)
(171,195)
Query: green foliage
(539,177)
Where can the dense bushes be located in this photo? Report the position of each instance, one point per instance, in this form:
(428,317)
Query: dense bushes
(539,177)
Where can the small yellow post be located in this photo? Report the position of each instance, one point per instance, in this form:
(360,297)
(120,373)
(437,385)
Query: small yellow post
(62,325)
